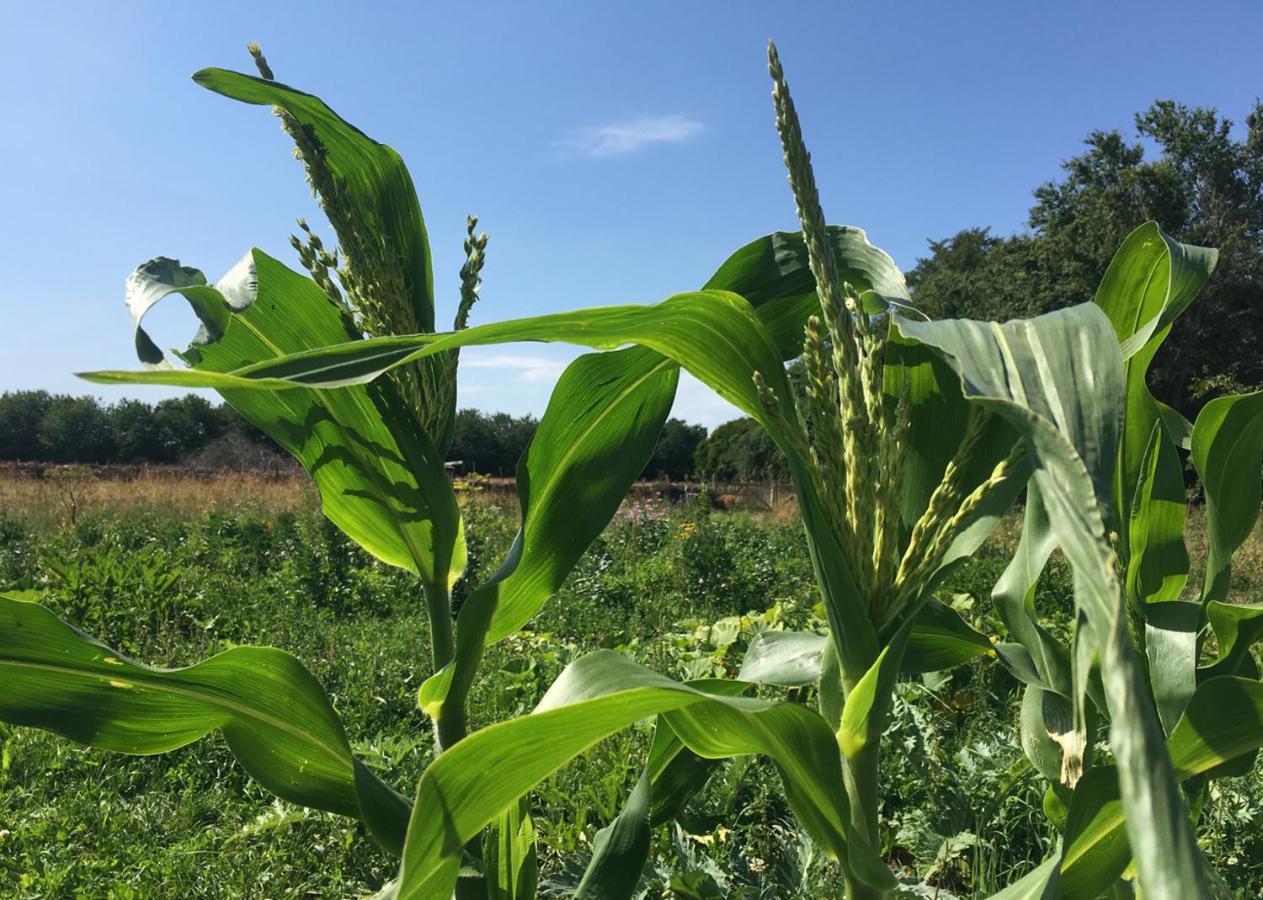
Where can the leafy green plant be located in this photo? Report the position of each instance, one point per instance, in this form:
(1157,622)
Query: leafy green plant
(909,442)
(375,451)
(1199,675)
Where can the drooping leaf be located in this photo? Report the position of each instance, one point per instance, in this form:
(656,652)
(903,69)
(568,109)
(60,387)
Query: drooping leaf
(1237,626)
(619,850)
(379,476)
(1014,598)
(1058,379)
(602,693)
(274,715)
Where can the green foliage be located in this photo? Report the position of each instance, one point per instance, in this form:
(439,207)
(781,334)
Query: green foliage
(673,458)
(492,443)
(74,429)
(740,450)
(907,441)
(40,427)
(1203,186)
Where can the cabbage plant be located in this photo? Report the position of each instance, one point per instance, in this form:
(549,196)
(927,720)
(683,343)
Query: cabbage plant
(908,442)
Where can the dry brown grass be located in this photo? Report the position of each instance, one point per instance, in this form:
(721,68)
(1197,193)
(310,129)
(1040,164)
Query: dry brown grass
(60,495)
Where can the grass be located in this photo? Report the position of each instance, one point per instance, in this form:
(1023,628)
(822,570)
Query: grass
(171,570)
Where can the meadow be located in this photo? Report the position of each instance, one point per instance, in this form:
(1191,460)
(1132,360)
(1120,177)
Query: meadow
(171,569)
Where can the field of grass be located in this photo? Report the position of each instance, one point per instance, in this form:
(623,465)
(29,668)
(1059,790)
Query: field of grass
(171,570)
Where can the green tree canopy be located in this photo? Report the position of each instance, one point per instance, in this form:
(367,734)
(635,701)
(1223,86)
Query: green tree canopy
(673,457)
(1203,185)
(740,450)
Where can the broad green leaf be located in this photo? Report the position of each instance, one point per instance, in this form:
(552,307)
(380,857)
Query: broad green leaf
(1041,883)
(1171,633)
(716,335)
(372,175)
(938,415)
(1150,282)
(594,439)
(379,476)
(620,850)
(1237,626)
(1058,380)
(772,272)
(1157,570)
(1046,722)
(1223,722)
(467,786)
(1227,444)
(866,705)
(783,658)
(940,639)
(274,715)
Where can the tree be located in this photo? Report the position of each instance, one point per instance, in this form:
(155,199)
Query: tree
(673,456)
(20,415)
(136,433)
(1203,187)
(491,444)
(75,430)
(740,450)
(184,425)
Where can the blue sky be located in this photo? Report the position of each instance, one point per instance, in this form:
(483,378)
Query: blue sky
(615,152)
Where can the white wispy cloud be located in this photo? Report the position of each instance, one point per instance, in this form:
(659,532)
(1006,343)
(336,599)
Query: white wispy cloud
(630,135)
(527,368)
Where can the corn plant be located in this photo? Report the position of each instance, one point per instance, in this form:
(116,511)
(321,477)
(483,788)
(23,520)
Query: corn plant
(1200,678)
(375,451)
(908,443)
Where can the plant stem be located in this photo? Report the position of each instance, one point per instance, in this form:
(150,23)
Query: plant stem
(450,725)
(438,605)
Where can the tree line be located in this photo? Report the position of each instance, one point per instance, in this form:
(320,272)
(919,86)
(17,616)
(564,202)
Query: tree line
(36,426)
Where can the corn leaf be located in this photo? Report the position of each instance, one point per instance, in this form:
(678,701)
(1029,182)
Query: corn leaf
(783,658)
(1014,598)
(1224,722)
(466,787)
(1058,380)
(274,715)
(372,174)
(1227,444)
(380,478)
